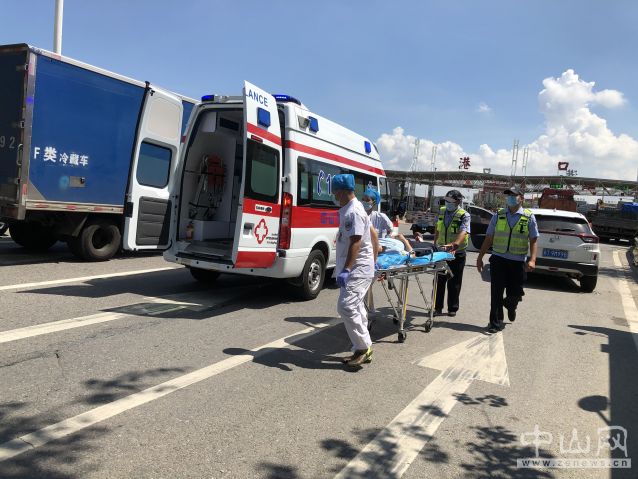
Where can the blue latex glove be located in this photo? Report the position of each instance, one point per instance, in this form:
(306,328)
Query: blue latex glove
(342,277)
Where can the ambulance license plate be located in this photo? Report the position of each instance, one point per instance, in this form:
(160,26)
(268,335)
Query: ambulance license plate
(555,253)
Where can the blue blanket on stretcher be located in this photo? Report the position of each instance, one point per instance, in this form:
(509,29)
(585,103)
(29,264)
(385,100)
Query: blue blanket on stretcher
(392,258)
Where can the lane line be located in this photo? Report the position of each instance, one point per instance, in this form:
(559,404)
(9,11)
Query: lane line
(395,448)
(158,305)
(627,298)
(89,418)
(82,279)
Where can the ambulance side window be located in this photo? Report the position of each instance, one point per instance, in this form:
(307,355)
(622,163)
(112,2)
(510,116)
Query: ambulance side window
(262,172)
(362,182)
(314,187)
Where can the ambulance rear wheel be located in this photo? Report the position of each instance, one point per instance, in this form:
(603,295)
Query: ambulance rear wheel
(32,236)
(313,275)
(205,276)
(99,240)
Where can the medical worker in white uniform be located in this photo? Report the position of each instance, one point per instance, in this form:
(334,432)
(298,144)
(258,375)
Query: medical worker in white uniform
(355,268)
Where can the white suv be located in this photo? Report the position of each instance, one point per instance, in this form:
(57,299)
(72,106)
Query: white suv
(567,246)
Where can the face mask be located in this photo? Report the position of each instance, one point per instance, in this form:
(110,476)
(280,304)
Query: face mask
(368,206)
(512,201)
(450,206)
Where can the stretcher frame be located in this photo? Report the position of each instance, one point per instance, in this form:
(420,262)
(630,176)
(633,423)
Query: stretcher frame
(389,277)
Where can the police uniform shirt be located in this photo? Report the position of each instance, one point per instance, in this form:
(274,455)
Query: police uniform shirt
(512,219)
(381,223)
(354,221)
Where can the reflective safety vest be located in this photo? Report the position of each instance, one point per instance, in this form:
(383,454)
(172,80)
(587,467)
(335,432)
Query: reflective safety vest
(449,234)
(512,240)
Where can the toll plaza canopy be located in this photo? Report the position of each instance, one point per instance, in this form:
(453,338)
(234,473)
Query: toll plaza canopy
(531,184)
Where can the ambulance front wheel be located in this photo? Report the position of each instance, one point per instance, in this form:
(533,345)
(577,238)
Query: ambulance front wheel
(205,276)
(313,275)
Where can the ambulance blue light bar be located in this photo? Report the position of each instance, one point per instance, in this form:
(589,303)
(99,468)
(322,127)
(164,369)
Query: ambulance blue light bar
(287,98)
(208,98)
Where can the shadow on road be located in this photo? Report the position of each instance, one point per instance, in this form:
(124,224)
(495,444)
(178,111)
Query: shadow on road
(59,458)
(619,409)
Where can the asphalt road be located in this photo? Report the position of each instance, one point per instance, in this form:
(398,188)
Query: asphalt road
(131,369)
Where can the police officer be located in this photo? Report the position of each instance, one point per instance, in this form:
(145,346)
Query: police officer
(354,269)
(511,233)
(452,234)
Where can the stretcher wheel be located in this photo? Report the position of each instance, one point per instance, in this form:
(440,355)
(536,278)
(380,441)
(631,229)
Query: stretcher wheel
(428,326)
(401,336)
(395,320)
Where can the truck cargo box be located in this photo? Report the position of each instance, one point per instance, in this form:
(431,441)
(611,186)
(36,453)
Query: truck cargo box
(77,140)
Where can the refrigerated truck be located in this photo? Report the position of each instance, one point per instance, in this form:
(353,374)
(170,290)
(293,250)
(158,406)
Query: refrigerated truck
(85,154)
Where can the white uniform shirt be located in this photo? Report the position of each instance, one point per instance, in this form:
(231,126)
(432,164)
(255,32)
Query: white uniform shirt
(354,221)
(381,223)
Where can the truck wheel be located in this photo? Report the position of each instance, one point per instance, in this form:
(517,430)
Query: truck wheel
(32,236)
(4,226)
(205,276)
(312,277)
(99,240)
(588,283)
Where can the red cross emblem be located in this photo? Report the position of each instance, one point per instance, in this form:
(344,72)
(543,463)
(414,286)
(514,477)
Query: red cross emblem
(261,231)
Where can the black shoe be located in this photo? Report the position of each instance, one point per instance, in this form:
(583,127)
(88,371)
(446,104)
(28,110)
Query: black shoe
(492,329)
(511,315)
(451,314)
(438,312)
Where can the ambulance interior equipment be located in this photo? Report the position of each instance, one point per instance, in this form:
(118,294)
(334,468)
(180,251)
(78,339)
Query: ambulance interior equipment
(211,183)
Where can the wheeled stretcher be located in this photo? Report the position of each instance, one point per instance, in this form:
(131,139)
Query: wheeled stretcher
(397,278)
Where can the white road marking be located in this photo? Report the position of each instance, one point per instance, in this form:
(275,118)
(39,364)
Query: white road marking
(627,299)
(394,449)
(148,308)
(89,418)
(82,279)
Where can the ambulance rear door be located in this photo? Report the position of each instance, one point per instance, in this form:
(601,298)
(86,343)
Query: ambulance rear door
(257,226)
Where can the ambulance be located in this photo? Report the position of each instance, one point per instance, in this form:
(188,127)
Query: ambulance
(251,193)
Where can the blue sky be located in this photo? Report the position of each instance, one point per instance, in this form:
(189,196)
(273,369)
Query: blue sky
(373,66)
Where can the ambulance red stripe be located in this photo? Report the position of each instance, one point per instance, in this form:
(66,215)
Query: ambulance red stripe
(257,130)
(254,259)
(306,217)
(331,156)
(257,207)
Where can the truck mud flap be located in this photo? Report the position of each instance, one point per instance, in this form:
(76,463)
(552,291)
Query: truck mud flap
(154,222)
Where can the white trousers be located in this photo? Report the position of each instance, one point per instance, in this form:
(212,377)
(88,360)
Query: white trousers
(351,308)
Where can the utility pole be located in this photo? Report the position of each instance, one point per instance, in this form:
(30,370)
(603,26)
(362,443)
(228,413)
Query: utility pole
(431,186)
(525,160)
(57,27)
(514,157)
(413,169)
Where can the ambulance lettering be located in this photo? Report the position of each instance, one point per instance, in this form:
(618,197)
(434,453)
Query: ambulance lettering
(259,98)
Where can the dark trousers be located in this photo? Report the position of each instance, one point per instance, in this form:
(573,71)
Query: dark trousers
(508,277)
(457,266)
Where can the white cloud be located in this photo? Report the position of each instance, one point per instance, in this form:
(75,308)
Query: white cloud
(483,108)
(572,133)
